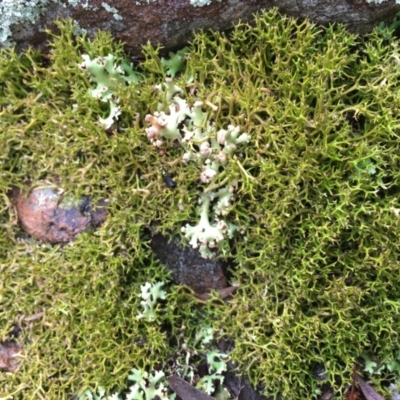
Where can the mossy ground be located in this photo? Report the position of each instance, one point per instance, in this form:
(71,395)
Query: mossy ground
(318,264)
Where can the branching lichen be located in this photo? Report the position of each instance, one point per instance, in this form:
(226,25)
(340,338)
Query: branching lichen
(144,385)
(107,75)
(211,149)
(150,294)
(201,3)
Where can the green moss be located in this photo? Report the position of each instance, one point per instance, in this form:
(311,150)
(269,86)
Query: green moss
(319,269)
(318,264)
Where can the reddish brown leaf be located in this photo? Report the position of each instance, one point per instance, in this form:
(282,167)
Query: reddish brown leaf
(353,394)
(368,391)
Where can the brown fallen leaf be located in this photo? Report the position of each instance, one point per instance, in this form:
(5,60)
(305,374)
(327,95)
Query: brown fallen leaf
(185,390)
(367,390)
(9,352)
(353,394)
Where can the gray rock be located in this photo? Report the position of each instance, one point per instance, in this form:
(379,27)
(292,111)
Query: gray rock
(171,23)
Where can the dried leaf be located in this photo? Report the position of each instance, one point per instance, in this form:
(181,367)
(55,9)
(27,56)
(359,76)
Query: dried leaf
(367,390)
(185,390)
(353,394)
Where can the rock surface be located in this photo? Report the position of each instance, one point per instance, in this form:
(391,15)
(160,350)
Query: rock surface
(10,353)
(170,23)
(47,216)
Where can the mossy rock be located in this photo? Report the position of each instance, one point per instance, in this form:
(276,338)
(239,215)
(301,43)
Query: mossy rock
(318,197)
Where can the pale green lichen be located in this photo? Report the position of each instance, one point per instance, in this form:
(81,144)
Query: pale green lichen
(112,10)
(201,3)
(176,62)
(18,11)
(107,74)
(211,149)
(144,385)
(150,294)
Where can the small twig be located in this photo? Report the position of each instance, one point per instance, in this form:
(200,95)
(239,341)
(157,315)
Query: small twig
(34,316)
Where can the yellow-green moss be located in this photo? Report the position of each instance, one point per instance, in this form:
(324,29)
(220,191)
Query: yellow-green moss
(318,264)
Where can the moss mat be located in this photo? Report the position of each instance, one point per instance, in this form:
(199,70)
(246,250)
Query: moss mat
(317,202)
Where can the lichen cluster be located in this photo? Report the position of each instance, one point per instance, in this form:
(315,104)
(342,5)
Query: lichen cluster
(143,385)
(211,149)
(317,191)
